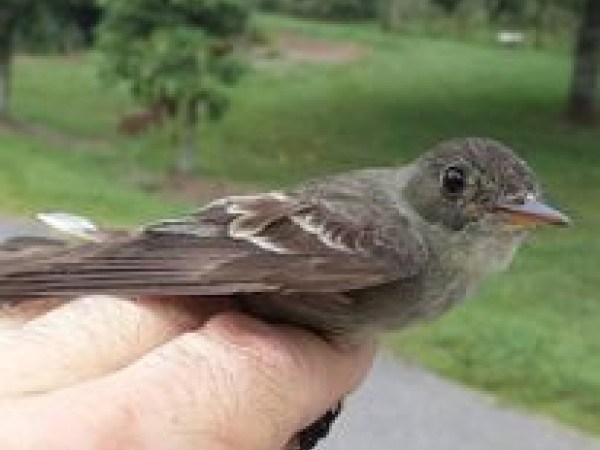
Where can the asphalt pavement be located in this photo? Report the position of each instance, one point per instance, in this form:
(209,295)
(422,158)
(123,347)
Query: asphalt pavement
(404,407)
(10,227)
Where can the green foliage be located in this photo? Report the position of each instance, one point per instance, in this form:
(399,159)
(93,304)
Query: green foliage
(47,26)
(394,15)
(15,14)
(178,55)
(531,12)
(449,6)
(522,13)
(39,24)
(324,9)
(499,9)
(178,50)
(540,21)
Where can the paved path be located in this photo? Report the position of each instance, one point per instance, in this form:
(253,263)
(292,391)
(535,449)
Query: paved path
(406,408)
(13,227)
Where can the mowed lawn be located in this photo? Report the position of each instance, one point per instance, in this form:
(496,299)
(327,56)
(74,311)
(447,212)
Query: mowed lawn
(532,336)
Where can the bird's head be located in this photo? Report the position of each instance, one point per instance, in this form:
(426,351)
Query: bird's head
(481,182)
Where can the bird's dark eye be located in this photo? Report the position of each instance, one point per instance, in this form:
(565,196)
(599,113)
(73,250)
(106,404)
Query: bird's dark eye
(454,180)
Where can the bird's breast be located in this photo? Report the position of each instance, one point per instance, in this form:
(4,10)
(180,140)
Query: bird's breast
(466,262)
(457,267)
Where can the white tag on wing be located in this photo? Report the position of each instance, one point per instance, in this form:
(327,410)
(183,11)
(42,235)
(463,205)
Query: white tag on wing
(71,224)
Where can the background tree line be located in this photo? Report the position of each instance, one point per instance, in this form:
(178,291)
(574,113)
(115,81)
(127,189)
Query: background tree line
(523,12)
(161,48)
(176,57)
(539,16)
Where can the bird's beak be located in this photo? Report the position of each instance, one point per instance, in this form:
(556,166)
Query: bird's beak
(532,212)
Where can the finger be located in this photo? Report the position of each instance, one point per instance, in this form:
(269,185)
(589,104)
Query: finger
(314,373)
(235,383)
(13,316)
(89,337)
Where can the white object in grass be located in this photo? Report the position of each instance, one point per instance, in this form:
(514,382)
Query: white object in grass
(70,224)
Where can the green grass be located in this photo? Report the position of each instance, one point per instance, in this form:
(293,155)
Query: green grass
(532,337)
(65,93)
(36,177)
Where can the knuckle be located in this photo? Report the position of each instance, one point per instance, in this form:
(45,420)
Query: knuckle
(259,346)
(246,378)
(246,383)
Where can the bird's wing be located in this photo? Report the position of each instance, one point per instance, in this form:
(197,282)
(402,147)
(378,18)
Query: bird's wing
(250,244)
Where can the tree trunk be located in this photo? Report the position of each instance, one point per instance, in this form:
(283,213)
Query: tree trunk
(5,74)
(582,108)
(461,22)
(187,158)
(539,24)
(390,12)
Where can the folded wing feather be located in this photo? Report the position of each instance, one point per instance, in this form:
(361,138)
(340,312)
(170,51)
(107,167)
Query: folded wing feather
(250,244)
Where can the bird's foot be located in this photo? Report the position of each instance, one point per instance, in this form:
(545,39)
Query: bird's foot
(308,438)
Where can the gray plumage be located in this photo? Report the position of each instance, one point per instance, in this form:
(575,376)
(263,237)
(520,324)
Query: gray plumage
(364,251)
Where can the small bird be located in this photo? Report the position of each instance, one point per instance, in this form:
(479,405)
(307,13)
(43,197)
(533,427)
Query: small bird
(361,252)
(365,251)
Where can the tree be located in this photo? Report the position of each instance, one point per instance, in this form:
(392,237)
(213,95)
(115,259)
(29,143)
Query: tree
(581,106)
(13,14)
(448,6)
(324,9)
(500,10)
(394,14)
(84,15)
(23,20)
(390,14)
(176,54)
(456,9)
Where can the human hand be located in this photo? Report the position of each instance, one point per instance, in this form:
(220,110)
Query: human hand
(104,373)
